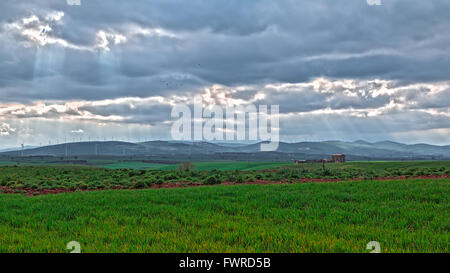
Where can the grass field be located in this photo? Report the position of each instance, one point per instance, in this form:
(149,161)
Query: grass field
(7,163)
(403,216)
(229,166)
(37,178)
(126,163)
(142,165)
(378,165)
(250,166)
(134,165)
(225,166)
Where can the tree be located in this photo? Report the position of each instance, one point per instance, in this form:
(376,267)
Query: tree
(186,166)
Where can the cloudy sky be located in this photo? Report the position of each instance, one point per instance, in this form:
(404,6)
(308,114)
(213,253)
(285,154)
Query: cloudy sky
(338,69)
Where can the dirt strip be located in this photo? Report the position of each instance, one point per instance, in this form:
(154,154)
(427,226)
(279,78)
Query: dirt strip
(34,192)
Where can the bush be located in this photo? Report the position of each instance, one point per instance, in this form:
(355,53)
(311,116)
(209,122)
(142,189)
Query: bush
(82,186)
(249,178)
(170,176)
(238,178)
(139,185)
(326,172)
(212,180)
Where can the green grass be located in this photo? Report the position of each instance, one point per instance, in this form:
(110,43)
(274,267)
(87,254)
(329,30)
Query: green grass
(6,163)
(404,216)
(134,165)
(140,164)
(43,177)
(251,166)
(228,166)
(395,164)
(223,166)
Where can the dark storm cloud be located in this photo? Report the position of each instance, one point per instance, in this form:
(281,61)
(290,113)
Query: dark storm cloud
(105,50)
(227,42)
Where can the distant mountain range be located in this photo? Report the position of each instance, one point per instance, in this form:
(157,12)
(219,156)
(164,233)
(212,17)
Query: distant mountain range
(357,150)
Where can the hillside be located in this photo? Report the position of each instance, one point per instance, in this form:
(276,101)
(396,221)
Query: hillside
(358,150)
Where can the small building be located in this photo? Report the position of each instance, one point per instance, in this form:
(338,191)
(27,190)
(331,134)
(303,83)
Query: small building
(300,161)
(338,158)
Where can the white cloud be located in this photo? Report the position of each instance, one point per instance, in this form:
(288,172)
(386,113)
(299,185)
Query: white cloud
(376,98)
(73,2)
(39,32)
(6,129)
(78,132)
(104,38)
(54,16)
(350,55)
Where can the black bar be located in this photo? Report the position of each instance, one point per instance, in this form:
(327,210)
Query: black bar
(228,262)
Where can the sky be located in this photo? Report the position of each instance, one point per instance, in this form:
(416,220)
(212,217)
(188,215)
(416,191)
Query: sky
(338,69)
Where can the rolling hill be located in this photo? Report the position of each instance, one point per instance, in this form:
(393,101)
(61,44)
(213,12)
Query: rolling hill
(357,150)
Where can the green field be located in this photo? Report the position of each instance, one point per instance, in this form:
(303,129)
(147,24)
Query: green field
(143,164)
(7,163)
(378,165)
(115,163)
(240,166)
(38,178)
(228,166)
(134,165)
(403,216)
